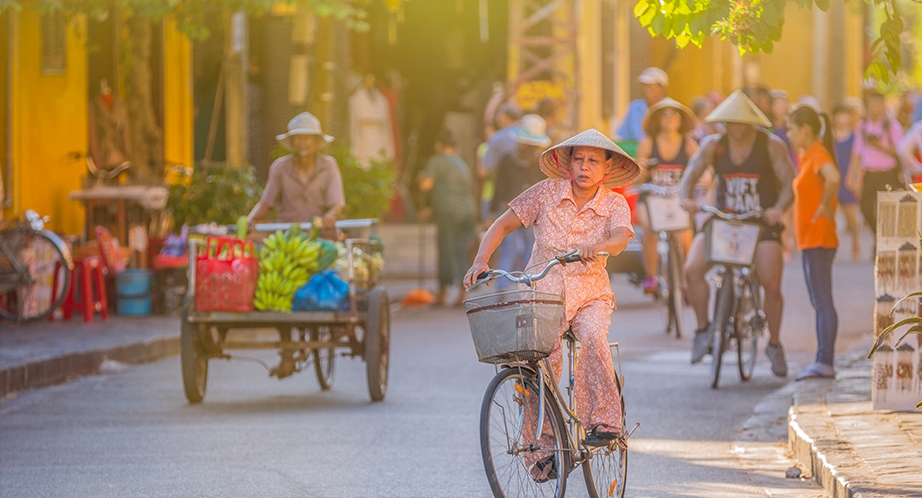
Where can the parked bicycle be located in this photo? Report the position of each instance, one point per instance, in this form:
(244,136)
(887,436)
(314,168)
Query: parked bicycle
(730,244)
(667,217)
(517,331)
(35,269)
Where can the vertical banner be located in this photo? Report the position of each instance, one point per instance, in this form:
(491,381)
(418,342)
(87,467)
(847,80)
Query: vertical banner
(896,377)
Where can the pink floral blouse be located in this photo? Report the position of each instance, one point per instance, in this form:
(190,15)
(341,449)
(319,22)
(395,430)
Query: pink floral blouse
(561,227)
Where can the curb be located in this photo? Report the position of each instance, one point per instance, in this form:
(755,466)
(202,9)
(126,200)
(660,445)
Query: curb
(60,369)
(821,463)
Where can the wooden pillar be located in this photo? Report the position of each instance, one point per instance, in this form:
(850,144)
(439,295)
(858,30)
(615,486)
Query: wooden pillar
(235,71)
(820,84)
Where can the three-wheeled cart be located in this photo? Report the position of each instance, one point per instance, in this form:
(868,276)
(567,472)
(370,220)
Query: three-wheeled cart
(304,337)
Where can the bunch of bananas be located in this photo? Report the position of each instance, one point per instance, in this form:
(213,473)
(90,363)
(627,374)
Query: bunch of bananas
(286,263)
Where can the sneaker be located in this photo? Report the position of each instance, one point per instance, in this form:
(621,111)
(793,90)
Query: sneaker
(817,369)
(776,356)
(650,285)
(702,344)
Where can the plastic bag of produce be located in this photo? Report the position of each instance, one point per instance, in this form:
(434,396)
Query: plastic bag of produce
(324,292)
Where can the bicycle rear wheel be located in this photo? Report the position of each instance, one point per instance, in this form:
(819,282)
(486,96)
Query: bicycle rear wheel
(606,470)
(506,436)
(675,300)
(721,324)
(41,289)
(749,325)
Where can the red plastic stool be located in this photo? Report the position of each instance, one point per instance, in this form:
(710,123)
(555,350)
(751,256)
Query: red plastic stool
(87,272)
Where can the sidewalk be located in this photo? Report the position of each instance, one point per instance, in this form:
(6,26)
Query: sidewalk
(850,449)
(46,353)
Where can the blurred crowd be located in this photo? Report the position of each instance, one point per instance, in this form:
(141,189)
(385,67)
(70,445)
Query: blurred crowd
(878,143)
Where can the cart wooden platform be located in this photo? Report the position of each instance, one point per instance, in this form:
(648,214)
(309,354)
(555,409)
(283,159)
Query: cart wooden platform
(304,337)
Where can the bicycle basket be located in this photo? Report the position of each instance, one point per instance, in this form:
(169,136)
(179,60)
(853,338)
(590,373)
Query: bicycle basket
(515,325)
(666,214)
(731,242)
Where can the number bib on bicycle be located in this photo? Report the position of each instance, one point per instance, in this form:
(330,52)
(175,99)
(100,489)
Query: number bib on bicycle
(560,226)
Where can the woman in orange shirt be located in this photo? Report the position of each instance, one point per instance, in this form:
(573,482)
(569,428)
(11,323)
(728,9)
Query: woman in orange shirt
(815,191)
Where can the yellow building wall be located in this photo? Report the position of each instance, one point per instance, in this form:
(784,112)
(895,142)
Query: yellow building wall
(178,137)
(49,122)
(589,48)
(790,65)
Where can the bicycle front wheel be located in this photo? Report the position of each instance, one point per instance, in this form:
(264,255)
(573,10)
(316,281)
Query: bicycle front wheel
(507,431)
(721,323)
(43,265)
(676,301)
(749,325)
(606,470)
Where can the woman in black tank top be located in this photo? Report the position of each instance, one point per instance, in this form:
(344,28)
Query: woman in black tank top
(664,153)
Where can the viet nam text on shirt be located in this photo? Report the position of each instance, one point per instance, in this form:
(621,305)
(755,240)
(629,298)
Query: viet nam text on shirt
(667,175)
(742,193)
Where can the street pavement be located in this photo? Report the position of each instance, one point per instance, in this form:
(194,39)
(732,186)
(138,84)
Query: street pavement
(129,431)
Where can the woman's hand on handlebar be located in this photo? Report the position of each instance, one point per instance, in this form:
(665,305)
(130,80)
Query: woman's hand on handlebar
(690,205)
(470,278)
(590,253)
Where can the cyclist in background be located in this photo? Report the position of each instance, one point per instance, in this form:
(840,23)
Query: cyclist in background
(576,208)
(754,173)
(663,153)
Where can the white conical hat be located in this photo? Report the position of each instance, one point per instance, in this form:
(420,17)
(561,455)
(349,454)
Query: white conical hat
(554,161)
(737,108)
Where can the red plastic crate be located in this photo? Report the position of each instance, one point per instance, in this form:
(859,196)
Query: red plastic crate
(225,275)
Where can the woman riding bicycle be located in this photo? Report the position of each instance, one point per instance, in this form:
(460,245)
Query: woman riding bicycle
(664,153)
(575,208)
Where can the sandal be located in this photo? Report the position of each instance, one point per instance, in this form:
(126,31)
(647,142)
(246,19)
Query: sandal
(544,470)
(598,437)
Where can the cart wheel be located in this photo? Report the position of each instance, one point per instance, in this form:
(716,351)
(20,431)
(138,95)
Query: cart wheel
(377,342)
(323,357)
(194,362)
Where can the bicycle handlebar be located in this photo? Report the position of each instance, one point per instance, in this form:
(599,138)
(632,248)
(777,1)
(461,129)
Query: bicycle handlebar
(659,190)
(530,278)
(751,215)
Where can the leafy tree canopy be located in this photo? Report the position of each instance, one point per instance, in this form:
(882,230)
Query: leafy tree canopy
(755,25)
(190,15)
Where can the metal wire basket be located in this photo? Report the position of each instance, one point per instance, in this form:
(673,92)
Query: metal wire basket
(518,325)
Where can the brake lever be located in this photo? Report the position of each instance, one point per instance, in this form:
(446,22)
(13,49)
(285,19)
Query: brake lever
(482,278)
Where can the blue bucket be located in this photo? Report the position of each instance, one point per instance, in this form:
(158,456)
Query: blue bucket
(133,292)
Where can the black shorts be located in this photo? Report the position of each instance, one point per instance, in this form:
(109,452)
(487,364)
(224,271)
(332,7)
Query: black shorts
(771,232)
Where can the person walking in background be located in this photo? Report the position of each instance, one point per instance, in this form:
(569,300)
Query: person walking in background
(701,106)
(663,153)
(548,108)
(778,115)
(910,151)
(874,162)
(451,185)
(815,190)
(499,142)
(653,83)
(502,142)
(516,173)
(843,132)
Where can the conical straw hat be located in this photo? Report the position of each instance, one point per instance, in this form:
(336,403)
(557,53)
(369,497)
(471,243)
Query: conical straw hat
(554,161)
(688,118)
(737,108)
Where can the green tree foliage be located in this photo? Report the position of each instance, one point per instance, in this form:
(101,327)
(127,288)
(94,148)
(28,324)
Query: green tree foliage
(219,195)
(755,25)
